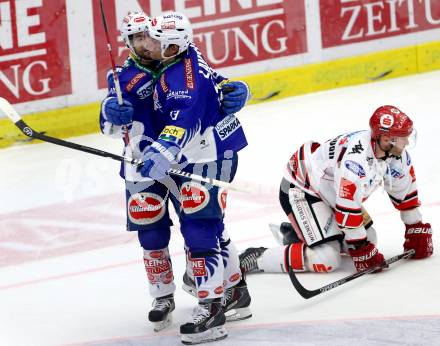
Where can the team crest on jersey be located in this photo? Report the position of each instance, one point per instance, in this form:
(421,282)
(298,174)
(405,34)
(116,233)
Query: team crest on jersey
(194,197)
(145,208)
(174,114)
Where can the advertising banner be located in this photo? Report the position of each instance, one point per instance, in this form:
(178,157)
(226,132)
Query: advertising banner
(228,32)
(34,50)
(350,21)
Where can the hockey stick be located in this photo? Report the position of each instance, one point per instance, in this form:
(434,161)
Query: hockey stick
(305,293)
(12,114)
(115,75)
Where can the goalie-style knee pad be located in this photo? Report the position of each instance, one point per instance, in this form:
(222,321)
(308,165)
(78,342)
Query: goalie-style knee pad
(323,258)
(159,272)
(311,218)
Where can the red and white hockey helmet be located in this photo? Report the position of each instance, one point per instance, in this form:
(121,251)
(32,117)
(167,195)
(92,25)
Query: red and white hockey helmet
(390,121)
(171,28)
(133,23)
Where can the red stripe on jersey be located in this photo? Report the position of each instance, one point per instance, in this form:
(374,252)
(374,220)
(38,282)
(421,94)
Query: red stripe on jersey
(412,173)
(295,170)
(348,220)
(412,203)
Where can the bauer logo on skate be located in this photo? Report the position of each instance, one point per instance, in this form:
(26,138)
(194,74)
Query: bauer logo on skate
(194,197)
(145,208)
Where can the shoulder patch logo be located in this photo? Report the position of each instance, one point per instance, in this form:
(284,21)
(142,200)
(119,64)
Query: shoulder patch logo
(189,74)
(163,83)
(134,81)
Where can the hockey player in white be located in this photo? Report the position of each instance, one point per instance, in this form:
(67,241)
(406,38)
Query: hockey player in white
(322,192)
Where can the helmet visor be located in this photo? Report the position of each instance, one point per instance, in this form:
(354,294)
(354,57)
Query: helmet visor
(406,142)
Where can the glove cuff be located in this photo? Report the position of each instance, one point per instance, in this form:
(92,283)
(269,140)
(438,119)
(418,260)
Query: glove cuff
(167,149)
(364,253)
(418,228)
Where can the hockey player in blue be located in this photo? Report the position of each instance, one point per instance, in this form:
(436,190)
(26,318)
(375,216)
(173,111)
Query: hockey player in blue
(196,131)
(204,143)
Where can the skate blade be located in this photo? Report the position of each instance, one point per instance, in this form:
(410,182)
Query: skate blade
(158,326)
(190,290)
(275,229)
(238,314)
(213,334)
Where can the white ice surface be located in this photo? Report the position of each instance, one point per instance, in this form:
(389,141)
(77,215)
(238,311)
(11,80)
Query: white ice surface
(71,275)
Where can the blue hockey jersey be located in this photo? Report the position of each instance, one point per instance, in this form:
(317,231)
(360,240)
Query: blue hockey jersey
(187,103)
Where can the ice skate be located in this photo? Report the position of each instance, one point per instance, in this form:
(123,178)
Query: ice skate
(236,302)
(248,259)
(189,286)
(161,314)
(208,324)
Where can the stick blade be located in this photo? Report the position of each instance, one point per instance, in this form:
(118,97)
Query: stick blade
(8,110)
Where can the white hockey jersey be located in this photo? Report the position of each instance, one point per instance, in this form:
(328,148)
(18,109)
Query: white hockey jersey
(344,172)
